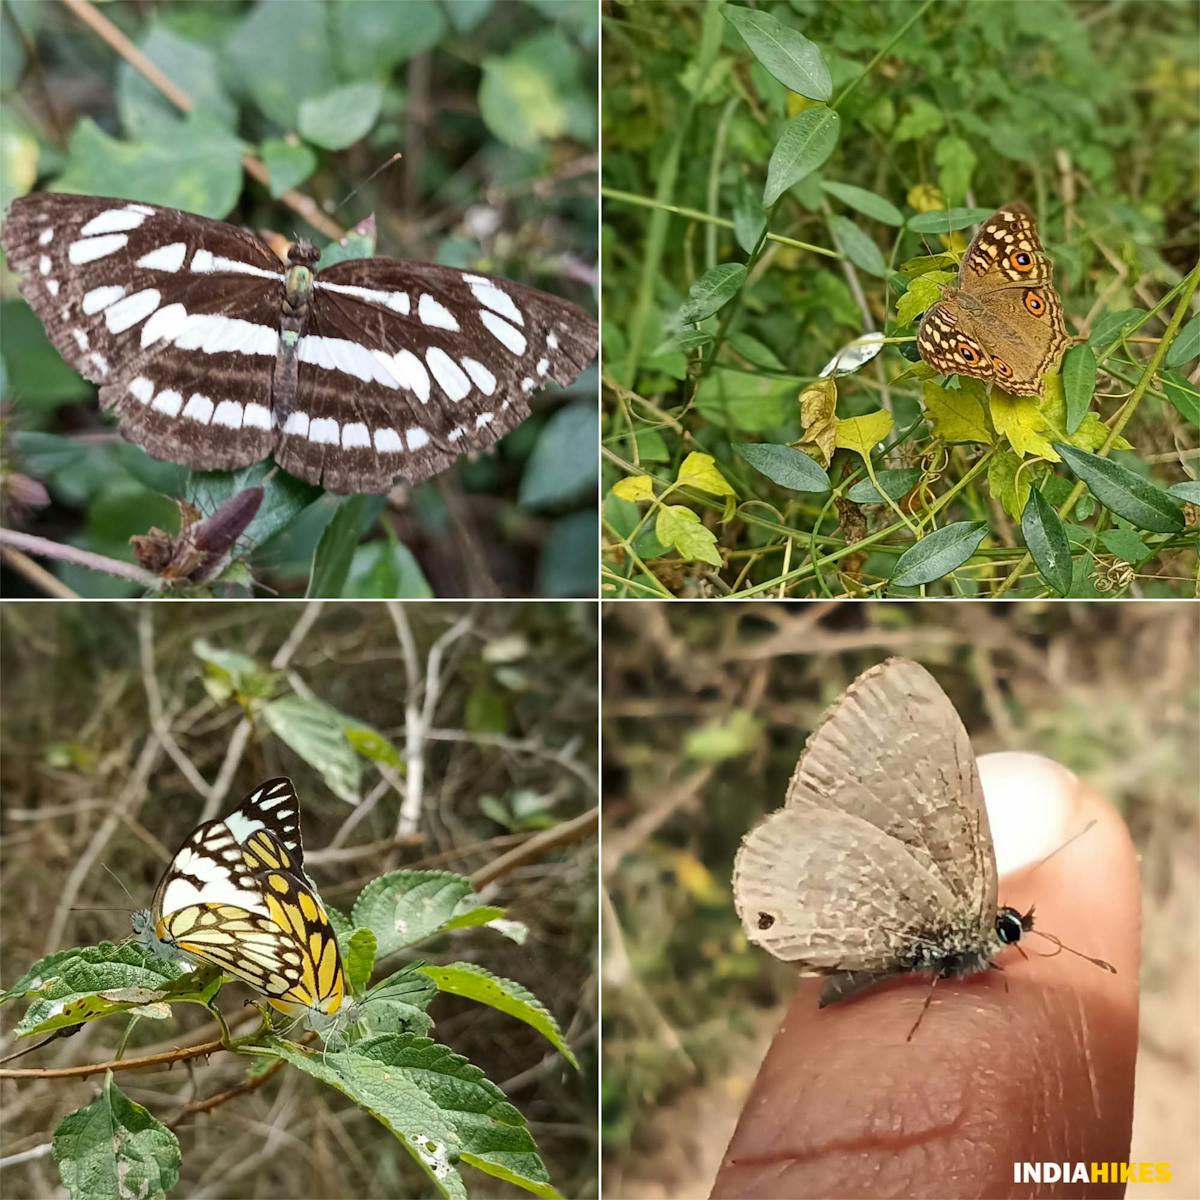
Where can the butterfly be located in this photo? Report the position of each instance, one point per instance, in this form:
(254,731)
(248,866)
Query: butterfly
(214,352)
(236,896)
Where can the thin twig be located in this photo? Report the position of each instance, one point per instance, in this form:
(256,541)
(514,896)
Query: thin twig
(45,548)
(563,834)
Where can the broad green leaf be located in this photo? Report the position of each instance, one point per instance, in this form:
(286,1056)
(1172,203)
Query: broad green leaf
(785,52)
(504,995)
(1110,326)
(288,164)
(237,672)
(1186,345)
(867,203)
(1188,491)
(443,1109)
(406,907)
(894,481)
(373,36)
(806,142)
(863,434)
(922,118)
(711,292)
(114,1147)
(385,569)
(938,554)
(1079,383)
(921,294)
(521,103)
(314,730)
(1046,540)
(358,957)
(784,465)
(955,162)
(564,464)
(945,264)
(1183,396)
(1126,545)
(196,166)
(858,246)
(340,117)
(1124,492)
(700,471)
(284,498)
(634,487)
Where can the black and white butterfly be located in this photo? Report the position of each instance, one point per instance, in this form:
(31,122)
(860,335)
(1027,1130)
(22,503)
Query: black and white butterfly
(214,353)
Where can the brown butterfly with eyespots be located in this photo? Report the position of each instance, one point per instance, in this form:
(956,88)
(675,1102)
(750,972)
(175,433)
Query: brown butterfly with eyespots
(1003,323)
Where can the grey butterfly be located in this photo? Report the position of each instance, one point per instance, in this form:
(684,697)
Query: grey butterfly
(881,861)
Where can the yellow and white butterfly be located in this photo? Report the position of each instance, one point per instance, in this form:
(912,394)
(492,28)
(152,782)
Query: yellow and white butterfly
(236,896)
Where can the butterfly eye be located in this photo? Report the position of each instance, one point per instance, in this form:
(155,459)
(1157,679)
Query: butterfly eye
(1021,261)
(1034,303)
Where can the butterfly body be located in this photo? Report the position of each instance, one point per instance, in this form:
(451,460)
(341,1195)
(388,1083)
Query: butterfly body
(1003,322)
(215,353)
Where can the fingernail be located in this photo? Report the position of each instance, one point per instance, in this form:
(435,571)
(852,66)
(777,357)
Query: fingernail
(1031,805)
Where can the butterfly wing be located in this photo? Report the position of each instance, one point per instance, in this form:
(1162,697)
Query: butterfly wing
(445,362)
(947,347)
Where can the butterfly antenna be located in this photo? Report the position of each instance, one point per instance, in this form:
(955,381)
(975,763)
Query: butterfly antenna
(1075,836)
(382,167)
(1096,962)
(119,883)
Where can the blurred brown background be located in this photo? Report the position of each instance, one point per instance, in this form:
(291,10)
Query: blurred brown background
(109,711)
(706,710)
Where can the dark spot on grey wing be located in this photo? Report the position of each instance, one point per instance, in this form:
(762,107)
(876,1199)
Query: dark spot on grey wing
(765,920)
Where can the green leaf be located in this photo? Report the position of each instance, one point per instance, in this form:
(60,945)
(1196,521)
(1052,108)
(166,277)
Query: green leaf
(949,221)
(732,735)
(504,995)
(385,569)
(749,220)
(785,52)
(1186,345)
(867,203)
(443,1109)
(921,294)
(806,142)
(406,907)
(196,166)
(563,466)
(788,467)
(955,161)
(894,481)
(1188,491)
(1079,383)
(711,292)
(264,53)
(288,164)
(858,247)
(1109,327)
(520,102)
(314,730)
(922,118)
(938,554)
(358,957)
(114,1147)
(1123,492)
(239,672)
(1183,396)
(1126,545)
(863,434)
(341,117)
(957,416)
(1008,483)
(373,36)
(335,550)
(1046,540)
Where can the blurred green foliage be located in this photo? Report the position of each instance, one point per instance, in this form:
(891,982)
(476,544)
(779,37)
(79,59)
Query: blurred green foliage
(492,104)
(841,130)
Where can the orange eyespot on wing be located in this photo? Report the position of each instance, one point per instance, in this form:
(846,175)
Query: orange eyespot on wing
(1021,260)
(1002,369)
(1034,303)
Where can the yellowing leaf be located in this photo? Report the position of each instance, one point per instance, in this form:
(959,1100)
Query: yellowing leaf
(669,522)
(634,487)
(700,471)
(862,434)
(1091,433)
(817,406)
(956,416)
(697,880)
(1018,419)
(1008,483)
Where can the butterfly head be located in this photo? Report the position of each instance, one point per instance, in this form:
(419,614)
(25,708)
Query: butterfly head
(303,254)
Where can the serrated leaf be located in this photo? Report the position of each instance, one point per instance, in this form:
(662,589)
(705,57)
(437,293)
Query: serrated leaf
(785,52)
(1123,492)
(863,434)
(805,143)
(1046,540)
(504,995)
(788,467)
(711,292)
(406,907)
(941,552)
(700,471)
